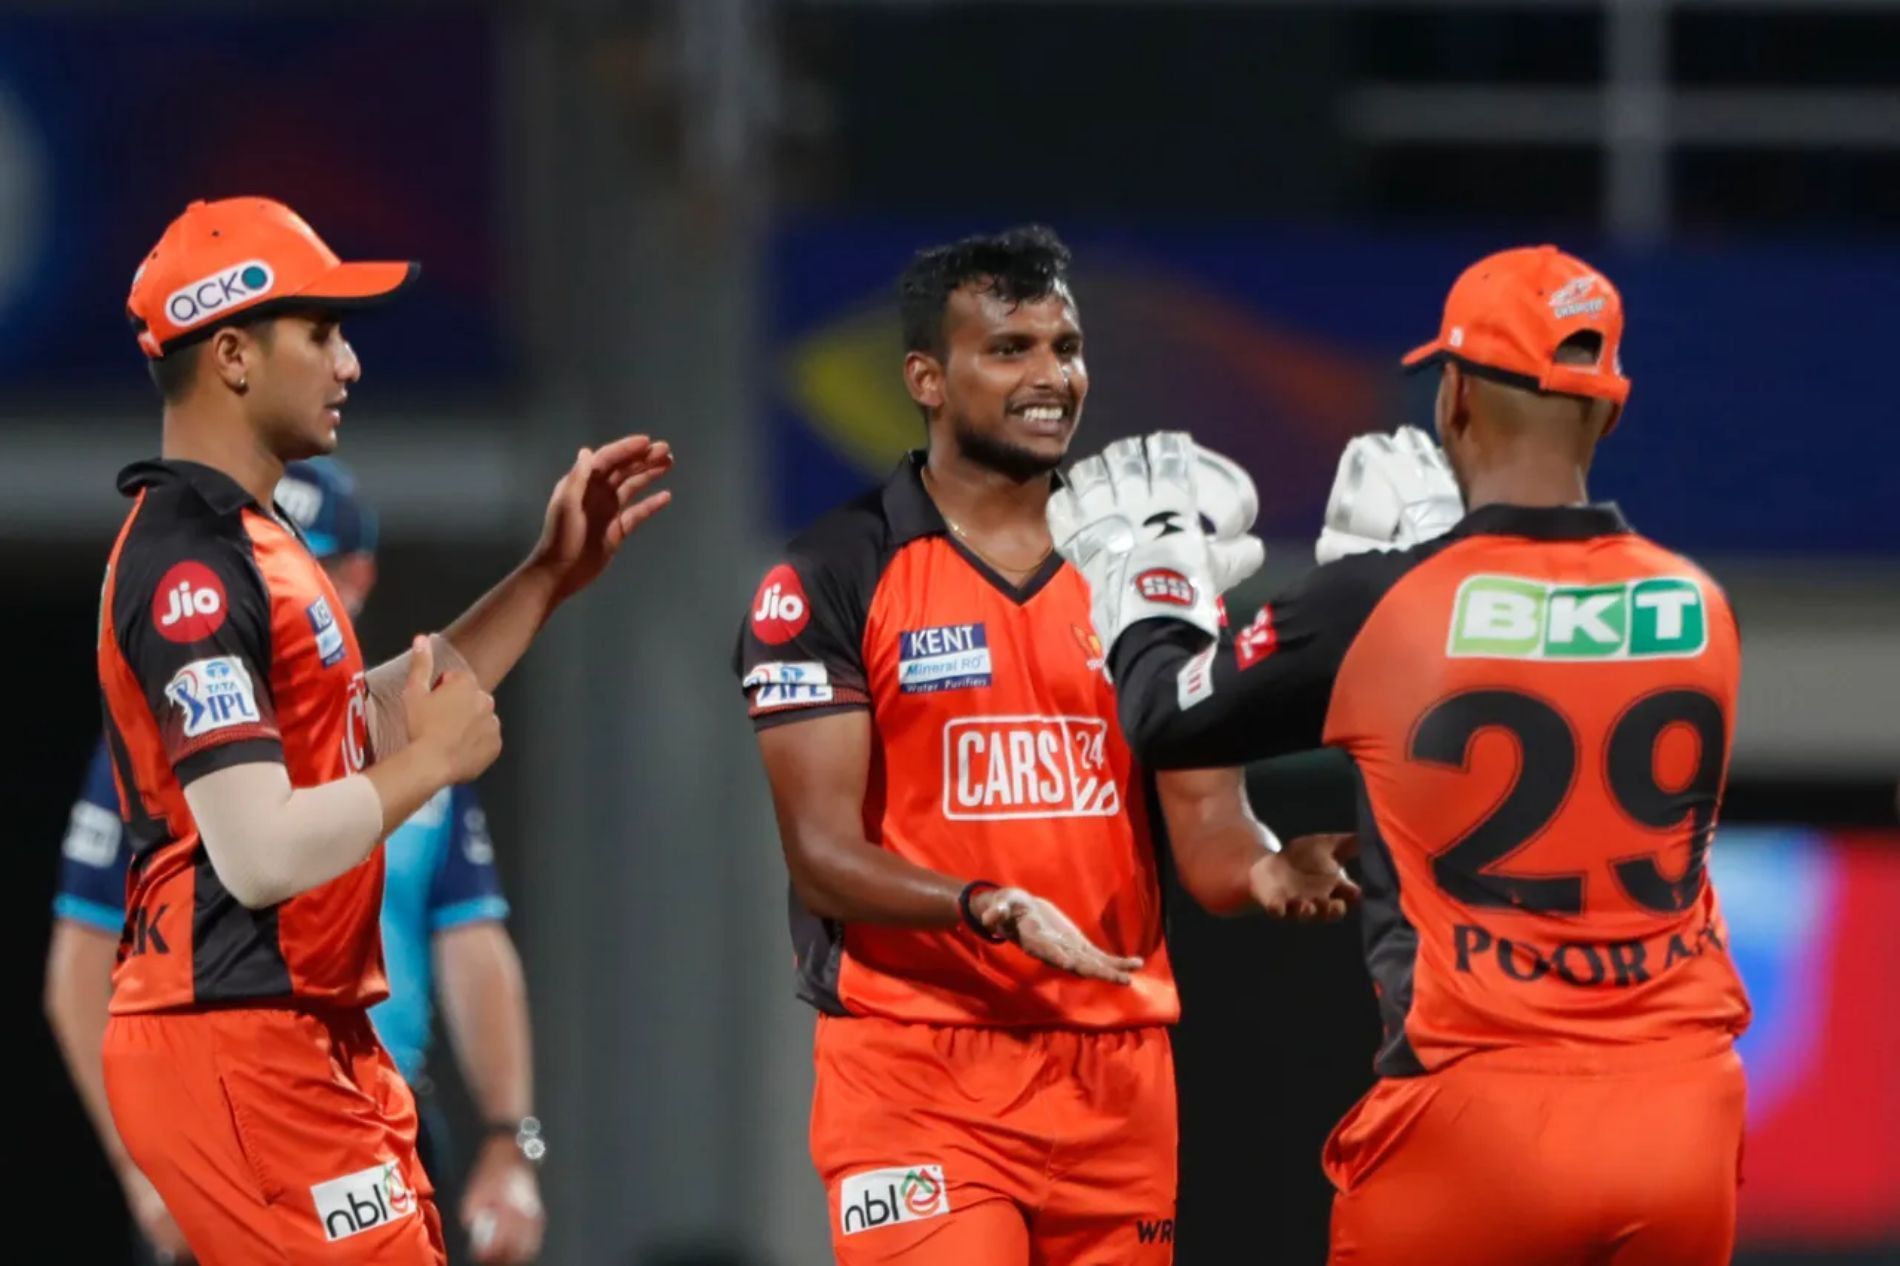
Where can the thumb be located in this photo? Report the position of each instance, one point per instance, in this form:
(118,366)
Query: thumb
(1232,561)
(421,665)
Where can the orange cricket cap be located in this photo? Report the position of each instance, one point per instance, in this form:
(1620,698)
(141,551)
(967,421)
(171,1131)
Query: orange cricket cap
(244,257)
(1508,313)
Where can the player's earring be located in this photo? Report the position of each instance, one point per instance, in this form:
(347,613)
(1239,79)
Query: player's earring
(244,384)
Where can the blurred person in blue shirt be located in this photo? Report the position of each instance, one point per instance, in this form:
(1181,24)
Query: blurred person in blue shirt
(443,936)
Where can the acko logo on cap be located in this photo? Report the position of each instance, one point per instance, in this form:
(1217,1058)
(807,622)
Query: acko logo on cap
(199,301)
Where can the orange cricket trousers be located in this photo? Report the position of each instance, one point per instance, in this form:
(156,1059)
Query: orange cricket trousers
(1624,1156)
(275,1135)
(947,1146)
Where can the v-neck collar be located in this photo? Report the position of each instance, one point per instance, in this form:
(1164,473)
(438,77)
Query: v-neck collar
(913,515)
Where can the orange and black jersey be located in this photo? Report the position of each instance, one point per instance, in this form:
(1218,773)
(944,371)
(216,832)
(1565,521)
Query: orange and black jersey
(1539,707)
(995,755)
(221,643)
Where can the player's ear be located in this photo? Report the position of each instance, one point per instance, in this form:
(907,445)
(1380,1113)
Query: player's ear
(923,378)
(231,351)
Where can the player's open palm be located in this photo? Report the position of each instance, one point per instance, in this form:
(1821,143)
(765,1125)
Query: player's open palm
(1045,933)
(454,717)
(1305,880)
(597,505)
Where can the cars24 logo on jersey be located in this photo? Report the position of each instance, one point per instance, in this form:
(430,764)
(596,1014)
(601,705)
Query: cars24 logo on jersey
(1028,767)
(213,694)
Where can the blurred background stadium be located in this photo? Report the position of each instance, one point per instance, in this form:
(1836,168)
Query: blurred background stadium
(685,217)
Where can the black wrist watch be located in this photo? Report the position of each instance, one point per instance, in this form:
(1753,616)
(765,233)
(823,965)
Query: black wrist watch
(526,1134)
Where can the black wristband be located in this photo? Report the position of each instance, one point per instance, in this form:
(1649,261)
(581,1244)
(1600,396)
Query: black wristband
(969,916)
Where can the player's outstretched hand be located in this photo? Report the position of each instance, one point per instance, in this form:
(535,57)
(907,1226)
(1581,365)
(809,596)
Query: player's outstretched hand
(153,1219)
(596,506)
(501,1207)
(454,717)
(1305,881)
(1047,934)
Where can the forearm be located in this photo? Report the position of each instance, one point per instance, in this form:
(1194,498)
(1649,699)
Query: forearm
(1220,713)
(268,842)
(1213,835)
(858,882)
(78,995)
(1220,877)
(485,1008)
(492,635)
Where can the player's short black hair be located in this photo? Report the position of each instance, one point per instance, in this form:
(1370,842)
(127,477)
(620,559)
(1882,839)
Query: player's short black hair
(1018,265)
(171,373)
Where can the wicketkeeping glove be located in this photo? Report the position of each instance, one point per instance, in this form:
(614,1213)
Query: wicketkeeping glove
(1392,491)
(1130,522)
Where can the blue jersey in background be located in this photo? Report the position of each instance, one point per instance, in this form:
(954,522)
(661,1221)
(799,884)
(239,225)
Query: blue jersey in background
(440,875)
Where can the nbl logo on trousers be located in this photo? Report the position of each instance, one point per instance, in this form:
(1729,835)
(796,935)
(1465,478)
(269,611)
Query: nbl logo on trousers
(363,1201)
(886,1197)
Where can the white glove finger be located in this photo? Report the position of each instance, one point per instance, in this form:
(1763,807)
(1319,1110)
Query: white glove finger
(1063,515)
(1349,483)
(1410,439)
(1094,494)
(1171,459)
(1127,462)
(1232,561)
(1224,493)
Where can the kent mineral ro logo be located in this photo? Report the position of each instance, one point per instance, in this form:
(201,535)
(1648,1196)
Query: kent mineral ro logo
(1512,617)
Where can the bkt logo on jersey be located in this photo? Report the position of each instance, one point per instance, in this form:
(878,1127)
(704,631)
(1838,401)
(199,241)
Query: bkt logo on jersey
(778,685)
(214,694)
(362,1201)
(1028,767)
(951,657)
(1510,617)
(206,297)
(329,633)
(886,1197)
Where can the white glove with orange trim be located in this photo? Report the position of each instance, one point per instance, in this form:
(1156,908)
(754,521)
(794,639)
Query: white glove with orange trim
(1391,492)
(1130,522)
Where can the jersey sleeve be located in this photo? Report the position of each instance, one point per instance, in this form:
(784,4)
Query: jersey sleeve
(466,887)
(1189,703)
(193,622)
(800,652)
(94,855)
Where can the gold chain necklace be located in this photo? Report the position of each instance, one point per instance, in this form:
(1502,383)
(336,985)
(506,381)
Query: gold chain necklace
(930,486)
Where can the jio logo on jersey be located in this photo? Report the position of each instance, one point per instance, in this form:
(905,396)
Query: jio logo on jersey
(189,605)
(780,610)
(213,694)
(1028,767)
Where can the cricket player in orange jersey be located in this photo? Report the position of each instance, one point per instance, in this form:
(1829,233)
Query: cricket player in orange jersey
(1539,704)
(259,765)
(975,854)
